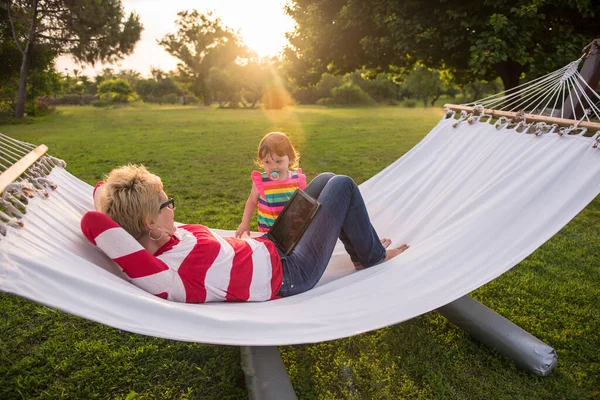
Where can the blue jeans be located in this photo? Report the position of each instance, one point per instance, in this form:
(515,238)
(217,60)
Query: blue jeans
(342,215)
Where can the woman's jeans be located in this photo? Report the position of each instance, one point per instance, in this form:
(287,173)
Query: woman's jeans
(342,214)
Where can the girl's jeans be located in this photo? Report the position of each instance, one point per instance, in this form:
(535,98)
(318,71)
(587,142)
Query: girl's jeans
(342,214)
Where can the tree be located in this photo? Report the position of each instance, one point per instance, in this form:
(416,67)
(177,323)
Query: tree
(89,30)
(424,83)
(253,77)
(202,42)
(480,39)
(115,91)
(40,65)
(222,84)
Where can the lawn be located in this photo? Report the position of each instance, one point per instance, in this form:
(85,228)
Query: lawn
(205,157)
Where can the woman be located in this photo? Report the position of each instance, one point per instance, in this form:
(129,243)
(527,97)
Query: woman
(190,263)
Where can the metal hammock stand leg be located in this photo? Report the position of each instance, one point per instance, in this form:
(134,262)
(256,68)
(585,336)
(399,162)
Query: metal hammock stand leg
(267,378)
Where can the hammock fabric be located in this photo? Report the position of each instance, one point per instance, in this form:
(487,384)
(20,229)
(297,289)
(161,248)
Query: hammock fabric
(471,201)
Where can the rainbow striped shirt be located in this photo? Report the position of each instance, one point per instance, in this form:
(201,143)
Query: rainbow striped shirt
(273,195)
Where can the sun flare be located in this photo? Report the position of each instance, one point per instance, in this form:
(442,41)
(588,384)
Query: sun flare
(261,25)
(262,28)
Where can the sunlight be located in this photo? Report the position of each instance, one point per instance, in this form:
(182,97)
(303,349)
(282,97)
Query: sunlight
(261,27)
(264,30)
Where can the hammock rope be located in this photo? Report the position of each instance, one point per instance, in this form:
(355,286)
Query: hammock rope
(558,87)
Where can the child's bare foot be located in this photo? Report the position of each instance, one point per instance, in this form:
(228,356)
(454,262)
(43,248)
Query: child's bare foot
(391,253)
(386,242)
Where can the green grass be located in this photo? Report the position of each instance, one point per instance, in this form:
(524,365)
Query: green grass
(205,157)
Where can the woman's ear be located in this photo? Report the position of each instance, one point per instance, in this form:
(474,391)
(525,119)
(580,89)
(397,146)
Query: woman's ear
(149,223)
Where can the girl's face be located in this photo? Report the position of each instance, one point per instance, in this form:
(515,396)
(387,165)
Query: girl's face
(275,163)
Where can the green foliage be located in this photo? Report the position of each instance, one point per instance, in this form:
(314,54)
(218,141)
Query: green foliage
(202,42)
(89,30)
(43,79)
(170,98)
(115,91)
(380,87)
(410,103)
(424,83)
(223,86)
(47,354)
(190,99)
(348,94)
(102,103)
(155,90)
(481,39)
(326,84)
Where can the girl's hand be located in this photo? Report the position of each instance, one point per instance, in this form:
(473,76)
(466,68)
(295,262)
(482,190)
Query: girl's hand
(243,228)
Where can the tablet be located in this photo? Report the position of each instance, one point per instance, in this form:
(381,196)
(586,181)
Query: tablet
(293,220)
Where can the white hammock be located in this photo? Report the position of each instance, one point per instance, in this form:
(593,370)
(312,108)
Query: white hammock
(471,201)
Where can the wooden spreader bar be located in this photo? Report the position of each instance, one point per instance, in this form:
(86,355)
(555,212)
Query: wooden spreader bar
(15,170)
(592,126)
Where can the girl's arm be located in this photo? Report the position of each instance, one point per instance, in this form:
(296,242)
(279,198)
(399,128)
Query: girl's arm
(249,210)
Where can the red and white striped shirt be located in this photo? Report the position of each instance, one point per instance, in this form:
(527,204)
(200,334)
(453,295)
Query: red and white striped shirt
(195,266)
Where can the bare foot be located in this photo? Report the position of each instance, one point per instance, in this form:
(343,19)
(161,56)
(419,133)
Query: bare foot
(391,253)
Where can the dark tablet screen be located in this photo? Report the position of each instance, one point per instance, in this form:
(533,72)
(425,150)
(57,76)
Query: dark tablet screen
(293,221)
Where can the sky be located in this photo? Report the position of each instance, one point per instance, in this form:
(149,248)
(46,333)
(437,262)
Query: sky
(262,24)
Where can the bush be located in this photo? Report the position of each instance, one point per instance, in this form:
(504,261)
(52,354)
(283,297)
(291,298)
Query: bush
(351,94)
(70,99)
(41,107)
(115,91)
(325,101)
(190,99)
(101,103)
(170,98)
(410,103)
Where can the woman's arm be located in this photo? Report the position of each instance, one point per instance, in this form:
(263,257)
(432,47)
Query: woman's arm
(143,269)
(251,205)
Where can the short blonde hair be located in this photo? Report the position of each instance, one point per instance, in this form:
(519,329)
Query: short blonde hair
(131,197)
(280,144)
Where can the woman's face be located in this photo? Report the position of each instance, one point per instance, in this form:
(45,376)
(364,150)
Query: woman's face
(165,220)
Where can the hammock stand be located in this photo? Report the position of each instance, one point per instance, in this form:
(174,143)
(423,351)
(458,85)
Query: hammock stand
(266,377)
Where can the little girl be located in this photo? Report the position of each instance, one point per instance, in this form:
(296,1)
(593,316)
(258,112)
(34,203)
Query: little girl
(272,188)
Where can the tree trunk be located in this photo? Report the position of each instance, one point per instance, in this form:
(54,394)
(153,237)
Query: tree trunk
(207,98)
(22,93)
(509,72)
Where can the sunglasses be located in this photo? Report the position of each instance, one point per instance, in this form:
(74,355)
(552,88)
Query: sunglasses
(169,203)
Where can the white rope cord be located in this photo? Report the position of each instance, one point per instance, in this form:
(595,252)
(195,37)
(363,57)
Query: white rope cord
(552,94)
(32,182)
(26,145)
(584,93)
(497,99)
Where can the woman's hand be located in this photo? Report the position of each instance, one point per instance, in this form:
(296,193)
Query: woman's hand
(243,228)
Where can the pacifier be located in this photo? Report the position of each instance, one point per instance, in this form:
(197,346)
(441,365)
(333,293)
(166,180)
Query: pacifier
(274,175)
